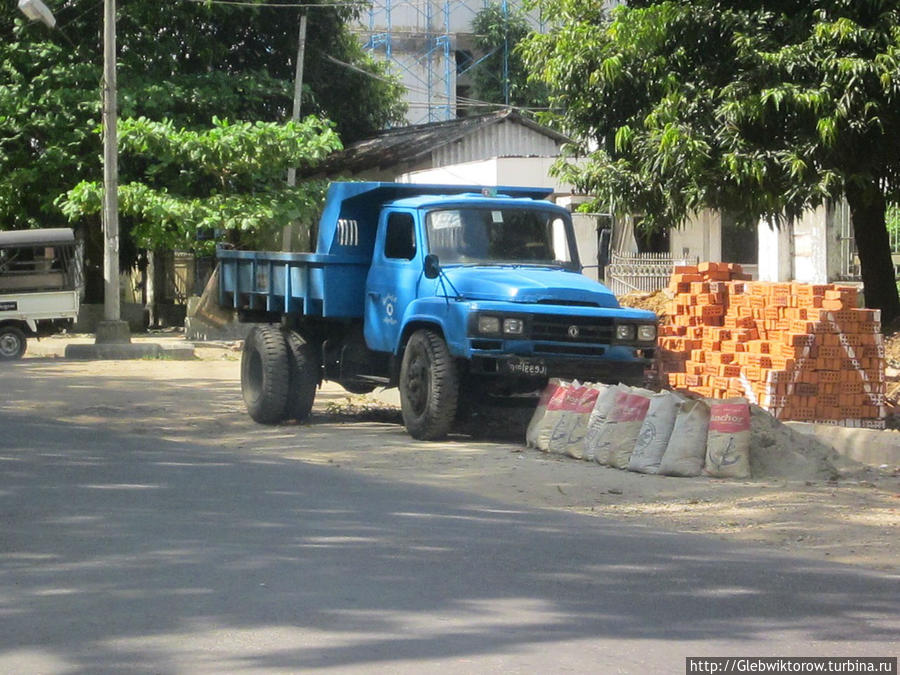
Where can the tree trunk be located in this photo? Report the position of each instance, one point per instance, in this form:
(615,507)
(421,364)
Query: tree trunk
(867,209)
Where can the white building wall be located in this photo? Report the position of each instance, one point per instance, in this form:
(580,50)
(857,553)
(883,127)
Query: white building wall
(775,252)
(521,171)
(700,237)
(810,247)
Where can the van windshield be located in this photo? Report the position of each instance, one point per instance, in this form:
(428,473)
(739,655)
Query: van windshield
(498,236)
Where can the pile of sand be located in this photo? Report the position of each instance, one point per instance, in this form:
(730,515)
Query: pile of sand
(777,451)
(655,302)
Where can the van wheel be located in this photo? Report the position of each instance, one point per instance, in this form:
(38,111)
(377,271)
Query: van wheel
(429,386)
(265,374)
(12,343)
(304,376)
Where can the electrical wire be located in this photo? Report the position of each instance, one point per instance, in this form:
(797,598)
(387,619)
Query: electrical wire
(282,5)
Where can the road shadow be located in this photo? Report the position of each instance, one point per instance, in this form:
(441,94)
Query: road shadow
(132,552)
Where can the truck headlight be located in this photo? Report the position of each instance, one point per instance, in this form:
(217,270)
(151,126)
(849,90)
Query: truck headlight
(513,326)
(646,332)
(624,332)
(488,324)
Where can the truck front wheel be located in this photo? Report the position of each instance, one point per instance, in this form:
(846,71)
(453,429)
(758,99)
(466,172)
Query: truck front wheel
(429,386)
(304,376)
(12,343)
(265,374)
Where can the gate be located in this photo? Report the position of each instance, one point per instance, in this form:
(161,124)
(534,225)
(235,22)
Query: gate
(641,272)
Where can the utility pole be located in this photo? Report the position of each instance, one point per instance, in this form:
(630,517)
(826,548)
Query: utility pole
(298,87)
(505,9)
(112,328)
(287,232)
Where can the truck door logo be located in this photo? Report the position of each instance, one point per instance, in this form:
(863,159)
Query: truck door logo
(573,332)
(388,302)
(9,306)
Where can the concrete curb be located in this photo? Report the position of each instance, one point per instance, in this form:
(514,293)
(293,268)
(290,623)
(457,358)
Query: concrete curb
(130,350)
(867,446)
(85,348)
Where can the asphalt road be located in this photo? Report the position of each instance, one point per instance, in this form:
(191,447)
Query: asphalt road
(121,552)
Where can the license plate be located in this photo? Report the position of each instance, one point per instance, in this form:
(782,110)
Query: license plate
(527,368)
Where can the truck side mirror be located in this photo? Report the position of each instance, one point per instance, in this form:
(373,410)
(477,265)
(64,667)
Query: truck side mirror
(432,266)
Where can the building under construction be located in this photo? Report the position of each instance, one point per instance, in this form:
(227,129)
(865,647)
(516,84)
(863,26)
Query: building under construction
(430,45)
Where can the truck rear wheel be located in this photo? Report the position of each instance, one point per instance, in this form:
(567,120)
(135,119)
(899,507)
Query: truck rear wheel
(265,374)
(429,386)
(12,343)
(304,376)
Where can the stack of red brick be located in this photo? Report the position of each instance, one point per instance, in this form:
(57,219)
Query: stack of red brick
(802,351)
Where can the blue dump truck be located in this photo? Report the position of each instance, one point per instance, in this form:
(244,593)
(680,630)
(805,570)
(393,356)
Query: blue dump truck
(456,295)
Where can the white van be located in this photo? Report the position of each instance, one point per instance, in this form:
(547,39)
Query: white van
(39,286)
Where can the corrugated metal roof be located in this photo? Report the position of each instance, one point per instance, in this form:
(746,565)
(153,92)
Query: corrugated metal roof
(502,134)
(47,236)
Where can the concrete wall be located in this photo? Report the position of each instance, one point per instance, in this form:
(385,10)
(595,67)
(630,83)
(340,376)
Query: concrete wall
(586,240)
(775,252)
(811,246)
(806,249)
(701,236)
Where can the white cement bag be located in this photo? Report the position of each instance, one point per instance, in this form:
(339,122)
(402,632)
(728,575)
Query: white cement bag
(686,451)
(627,416)
(567,419)
(537,419)
(573,427)
(728,443)
(599,414)
(552,415)
(655,432)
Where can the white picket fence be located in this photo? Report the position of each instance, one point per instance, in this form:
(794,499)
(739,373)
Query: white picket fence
(641,272)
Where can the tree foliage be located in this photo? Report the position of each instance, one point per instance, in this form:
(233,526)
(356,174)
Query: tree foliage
(228,179)
(180,64)
(761,108)
(501,75)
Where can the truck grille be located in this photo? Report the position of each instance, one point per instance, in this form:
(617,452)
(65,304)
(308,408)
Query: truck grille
(561,328)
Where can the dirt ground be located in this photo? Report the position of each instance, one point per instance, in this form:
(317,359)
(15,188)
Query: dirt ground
(853,519)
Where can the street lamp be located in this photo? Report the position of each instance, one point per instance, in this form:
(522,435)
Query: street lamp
(112,328)
(37,11)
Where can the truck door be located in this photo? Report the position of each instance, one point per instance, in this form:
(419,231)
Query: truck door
(393,278)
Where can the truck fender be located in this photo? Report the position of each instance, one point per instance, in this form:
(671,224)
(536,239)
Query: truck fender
(416,323)
(28,326)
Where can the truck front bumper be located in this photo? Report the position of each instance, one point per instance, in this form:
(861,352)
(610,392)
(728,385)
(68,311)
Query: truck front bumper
(631,372)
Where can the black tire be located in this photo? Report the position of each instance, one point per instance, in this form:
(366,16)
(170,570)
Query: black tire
(12,343)
(304,376)
(429,386)
(265,374)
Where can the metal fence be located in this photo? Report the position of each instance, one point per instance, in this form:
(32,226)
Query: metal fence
(641,272)
(849,258)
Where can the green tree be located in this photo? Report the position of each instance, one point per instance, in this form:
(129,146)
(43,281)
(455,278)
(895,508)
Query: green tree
(501,75)
(762,108)
(228,179)
(182,63)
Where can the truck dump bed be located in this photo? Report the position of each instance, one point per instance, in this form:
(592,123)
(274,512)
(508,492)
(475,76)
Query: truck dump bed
(311,284)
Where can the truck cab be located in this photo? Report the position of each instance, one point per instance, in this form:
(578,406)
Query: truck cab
(452,294)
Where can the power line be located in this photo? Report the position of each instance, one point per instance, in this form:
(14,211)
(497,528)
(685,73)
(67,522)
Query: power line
(282,5)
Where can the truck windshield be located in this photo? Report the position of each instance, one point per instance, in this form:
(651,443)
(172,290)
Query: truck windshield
(487,236)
